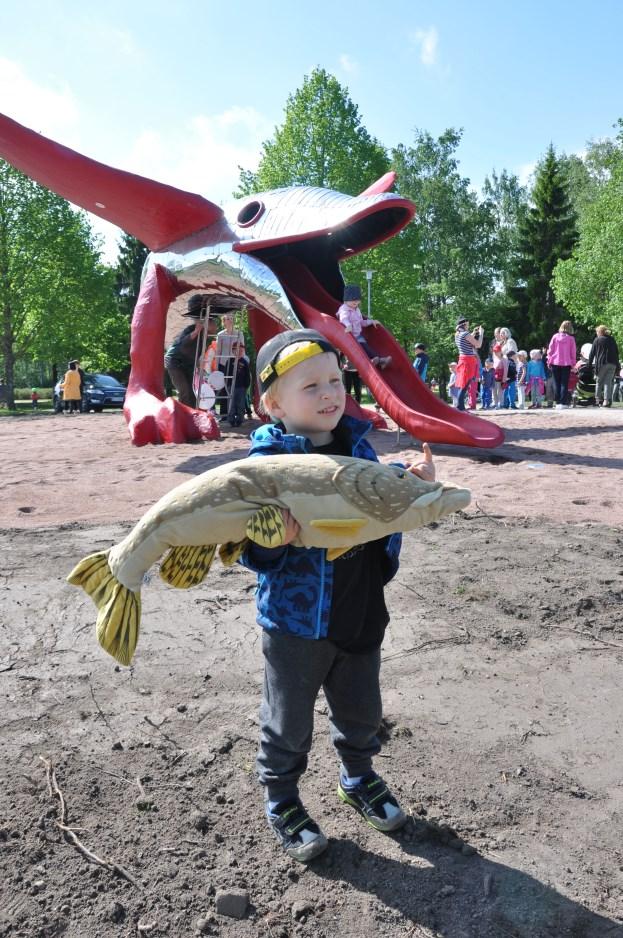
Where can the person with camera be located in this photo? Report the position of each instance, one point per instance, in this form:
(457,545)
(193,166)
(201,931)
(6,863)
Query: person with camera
(468,367)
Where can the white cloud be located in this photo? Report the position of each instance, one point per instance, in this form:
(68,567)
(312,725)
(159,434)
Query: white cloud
(200,155)
(348,64)
(204,154)
(46,109)
(119,40)
(525,172)
(426,40)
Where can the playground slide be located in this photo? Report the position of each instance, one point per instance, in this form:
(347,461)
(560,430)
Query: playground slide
(398,389)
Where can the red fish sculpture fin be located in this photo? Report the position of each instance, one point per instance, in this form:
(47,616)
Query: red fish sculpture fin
(156,214)
(384,184)
(150,417)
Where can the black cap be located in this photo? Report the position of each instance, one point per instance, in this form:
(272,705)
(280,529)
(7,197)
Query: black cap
(266,363)
(352,291)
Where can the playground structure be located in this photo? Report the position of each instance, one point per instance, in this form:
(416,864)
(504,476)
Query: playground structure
(276,253)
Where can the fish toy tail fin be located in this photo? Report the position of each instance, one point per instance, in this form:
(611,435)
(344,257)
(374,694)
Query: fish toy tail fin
(184,567)
(118,620)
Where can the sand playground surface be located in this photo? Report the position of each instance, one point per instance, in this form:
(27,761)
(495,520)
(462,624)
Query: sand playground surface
(502,675)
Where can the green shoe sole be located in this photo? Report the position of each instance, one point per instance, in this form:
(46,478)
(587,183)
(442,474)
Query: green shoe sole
(378,824)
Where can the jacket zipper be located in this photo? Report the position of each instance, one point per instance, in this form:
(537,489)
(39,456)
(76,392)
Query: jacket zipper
(320,597)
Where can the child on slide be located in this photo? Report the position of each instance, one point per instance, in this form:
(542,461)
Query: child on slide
(353,321)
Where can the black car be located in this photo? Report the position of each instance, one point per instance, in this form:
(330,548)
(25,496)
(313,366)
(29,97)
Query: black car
(99,391)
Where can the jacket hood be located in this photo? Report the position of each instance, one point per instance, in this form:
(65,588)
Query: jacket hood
(274,436)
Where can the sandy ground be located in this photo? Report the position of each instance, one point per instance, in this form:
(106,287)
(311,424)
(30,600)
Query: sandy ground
(503,710)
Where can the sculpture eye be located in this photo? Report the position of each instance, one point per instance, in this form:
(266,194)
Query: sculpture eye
(250,213)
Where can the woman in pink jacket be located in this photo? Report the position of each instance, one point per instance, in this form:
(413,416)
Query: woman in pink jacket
(561,356)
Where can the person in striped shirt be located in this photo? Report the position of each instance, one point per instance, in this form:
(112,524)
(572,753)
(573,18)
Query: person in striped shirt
(468,368)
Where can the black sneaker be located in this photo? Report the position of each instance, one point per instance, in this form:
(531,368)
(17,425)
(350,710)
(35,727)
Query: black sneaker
(374,802)
(300,837)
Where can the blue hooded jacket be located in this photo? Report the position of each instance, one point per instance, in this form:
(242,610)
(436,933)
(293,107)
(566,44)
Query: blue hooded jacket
(295,584)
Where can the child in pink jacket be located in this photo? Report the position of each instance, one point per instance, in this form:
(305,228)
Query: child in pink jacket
(353,321)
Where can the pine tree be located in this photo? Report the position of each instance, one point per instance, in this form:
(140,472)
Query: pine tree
(547,234)
(132,255)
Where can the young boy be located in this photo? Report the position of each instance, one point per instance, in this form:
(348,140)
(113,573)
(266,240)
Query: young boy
(487,381)
(353,321)
(510,381)
(323,621)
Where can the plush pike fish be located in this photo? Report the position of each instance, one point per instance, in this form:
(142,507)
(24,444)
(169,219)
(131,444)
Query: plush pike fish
(338,501)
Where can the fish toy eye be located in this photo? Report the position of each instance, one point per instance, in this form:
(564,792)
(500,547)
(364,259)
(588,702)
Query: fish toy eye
(250,213)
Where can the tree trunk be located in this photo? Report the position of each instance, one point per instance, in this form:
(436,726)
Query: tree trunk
(9,357)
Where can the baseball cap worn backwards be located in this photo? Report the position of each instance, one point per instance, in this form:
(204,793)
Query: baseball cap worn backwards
(273,359)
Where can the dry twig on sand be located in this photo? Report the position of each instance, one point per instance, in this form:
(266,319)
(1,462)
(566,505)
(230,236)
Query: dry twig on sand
(69,833)
(491,517)
(99,709)
(451,640)
(595,638)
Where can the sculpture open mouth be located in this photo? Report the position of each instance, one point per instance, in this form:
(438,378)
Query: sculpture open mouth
(321,253)
(307,267)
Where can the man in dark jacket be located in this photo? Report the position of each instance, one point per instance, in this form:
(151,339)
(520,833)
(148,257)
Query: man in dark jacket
(181,355)
(604,359)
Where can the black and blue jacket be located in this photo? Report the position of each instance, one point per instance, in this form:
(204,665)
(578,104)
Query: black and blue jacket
(295,584)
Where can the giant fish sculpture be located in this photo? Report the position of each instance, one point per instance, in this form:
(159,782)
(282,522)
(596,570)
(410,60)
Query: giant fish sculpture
(338,501)
(277,253)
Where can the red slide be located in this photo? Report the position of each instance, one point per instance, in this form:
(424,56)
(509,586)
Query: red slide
(398,389)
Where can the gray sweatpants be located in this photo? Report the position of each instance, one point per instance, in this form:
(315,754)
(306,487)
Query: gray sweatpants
(604,383)
(294,671)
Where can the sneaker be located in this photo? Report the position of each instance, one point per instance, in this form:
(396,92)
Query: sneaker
(385,362)
(374,802)
(300,837)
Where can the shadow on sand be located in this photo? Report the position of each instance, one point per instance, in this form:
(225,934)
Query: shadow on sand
(458,896)
(513,450)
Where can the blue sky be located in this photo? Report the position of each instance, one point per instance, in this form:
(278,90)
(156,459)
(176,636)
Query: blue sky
(184,92)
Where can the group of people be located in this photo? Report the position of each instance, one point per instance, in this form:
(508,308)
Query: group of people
(510,377)
(224,352)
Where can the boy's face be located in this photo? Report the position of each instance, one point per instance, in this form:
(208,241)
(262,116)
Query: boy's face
(310,398)
(353,303)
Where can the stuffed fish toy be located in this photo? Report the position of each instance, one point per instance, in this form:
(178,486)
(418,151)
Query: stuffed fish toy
(338,502)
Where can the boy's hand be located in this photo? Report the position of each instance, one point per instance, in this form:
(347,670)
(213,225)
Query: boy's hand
(292,526)
(425,469)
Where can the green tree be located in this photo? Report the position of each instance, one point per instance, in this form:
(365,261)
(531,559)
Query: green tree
(547,234)
(452,264)
(132,256)
(588,174)
(590,283)
(56,297)
(321,142)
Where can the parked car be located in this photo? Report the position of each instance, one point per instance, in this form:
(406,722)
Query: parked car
(99,391)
